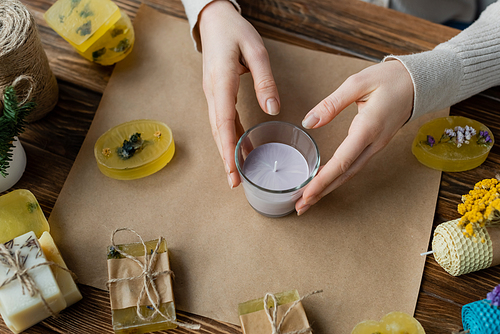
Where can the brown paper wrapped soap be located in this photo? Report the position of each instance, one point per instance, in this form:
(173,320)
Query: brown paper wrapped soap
(140,286)
(279,313)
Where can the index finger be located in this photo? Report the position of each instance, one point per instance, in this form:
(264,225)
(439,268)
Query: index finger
(350,156)
(225,90)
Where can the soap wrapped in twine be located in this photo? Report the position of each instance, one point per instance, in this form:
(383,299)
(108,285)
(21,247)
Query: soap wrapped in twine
(148,276)
(21,53)
(273,317)
(15,263)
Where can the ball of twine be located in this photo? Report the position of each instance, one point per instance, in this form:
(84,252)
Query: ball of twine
(21,54)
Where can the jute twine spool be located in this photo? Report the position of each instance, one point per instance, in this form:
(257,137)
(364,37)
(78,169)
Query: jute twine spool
(21,53)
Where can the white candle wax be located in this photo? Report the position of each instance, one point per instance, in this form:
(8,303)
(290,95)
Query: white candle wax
(276,166)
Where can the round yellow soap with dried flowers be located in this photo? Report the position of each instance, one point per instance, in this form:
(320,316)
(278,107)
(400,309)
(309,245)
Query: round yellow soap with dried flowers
(134,149)
(452,144)
(391,323)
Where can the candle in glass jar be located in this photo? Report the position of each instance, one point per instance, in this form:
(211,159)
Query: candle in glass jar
(276,160)
(276,166)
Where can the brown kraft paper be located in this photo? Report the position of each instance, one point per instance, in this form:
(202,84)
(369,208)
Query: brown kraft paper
(366,233)
(125,293)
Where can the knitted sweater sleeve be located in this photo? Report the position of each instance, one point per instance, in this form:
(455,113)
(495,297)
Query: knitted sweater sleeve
(459,68)
(193,9)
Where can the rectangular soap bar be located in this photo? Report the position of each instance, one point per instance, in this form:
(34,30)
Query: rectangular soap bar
(254,319)
(64,279)
(81,23)
(21,311)
(19,214)
(124,294)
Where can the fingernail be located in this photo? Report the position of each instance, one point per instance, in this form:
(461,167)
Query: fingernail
(310,121)
(303,209)
(226,166)
(230,181)
(272,106)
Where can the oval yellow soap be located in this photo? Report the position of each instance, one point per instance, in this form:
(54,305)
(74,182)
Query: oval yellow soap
(392,323)
(452,144)
(134,149)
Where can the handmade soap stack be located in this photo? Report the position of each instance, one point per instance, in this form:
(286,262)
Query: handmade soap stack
(483,316)
(97,29)
(458,254)
(279,313)
(48,287)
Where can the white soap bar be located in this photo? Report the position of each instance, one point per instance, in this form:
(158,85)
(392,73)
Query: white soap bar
(19,310)
(64,279)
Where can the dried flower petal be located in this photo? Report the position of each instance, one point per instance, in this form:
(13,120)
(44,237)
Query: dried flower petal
(494,296)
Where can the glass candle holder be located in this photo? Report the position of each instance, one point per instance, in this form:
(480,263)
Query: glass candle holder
(276,160)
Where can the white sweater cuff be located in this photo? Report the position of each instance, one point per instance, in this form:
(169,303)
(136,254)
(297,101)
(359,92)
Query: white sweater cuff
(455,70)
(193,9)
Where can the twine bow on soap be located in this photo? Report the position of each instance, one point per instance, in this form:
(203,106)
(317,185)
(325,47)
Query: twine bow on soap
(273,317)
(148,276)
(15,263)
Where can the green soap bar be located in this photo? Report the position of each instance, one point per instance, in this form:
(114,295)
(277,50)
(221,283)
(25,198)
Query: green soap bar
(258,304)
(126,321)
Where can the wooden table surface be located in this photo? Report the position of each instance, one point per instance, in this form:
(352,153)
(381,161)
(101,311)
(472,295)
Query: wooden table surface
(348,27)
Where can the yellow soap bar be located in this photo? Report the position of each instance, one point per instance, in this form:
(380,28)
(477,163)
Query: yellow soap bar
(19,214)
(254,320)
(82,22)
(392,323)
(452,144)
(97,29)
(64,279)
(134,149)
(126,320)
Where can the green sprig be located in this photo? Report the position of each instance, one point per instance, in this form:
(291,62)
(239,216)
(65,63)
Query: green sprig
(12,123)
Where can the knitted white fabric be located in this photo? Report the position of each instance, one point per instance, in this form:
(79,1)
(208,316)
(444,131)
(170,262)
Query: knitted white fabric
(193,9)
(455,70)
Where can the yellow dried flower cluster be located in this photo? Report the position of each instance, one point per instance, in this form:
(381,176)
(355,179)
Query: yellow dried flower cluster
(480,207)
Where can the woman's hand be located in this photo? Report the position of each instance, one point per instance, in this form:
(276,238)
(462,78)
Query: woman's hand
(231,47)
(384,95)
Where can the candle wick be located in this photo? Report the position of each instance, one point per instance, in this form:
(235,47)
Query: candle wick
(275,166)
(427,253)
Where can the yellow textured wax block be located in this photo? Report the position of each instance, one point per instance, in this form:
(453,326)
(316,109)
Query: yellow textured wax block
(19,214)
(456,253)
(134,149)
(21,303)
(452,144)
(64,279)
(392,323)
(97,29)
(124,294)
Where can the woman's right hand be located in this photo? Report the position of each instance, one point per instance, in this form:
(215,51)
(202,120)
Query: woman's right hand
(231,47)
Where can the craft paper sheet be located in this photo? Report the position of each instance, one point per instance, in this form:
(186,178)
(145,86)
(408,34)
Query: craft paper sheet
(360,244)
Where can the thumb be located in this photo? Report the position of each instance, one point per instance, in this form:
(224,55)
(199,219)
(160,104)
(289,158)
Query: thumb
(350,91)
